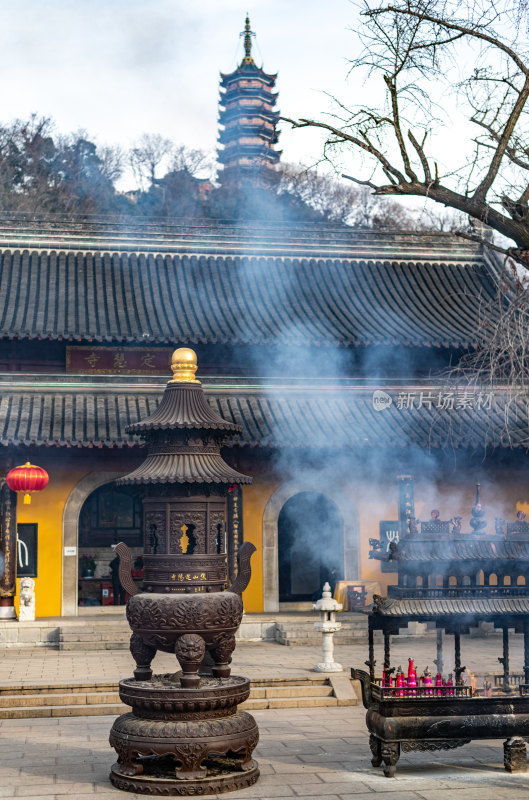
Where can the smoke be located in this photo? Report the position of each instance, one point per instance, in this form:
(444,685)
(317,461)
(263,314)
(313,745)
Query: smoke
(352,455)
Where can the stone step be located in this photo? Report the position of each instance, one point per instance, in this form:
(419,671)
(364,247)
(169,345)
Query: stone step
(297,627)
(315,642)
(281,692)
(72,698)
(105,634)
(62,700)
(301,631)
(77,710)
(344,636)
(103,631)
(111,635)
(288,702)
(85,646)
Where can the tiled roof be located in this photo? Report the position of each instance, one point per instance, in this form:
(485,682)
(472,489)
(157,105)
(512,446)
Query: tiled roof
(70,410)
(234,285)
(470,550)
(184,407)
(448,606)
(184,468)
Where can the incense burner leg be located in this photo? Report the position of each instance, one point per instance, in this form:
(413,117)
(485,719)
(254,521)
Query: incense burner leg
(376,749)
(221,651)
(143,655)
(127,756)
(515,755)
(189,650)
(526,652)
(505,661)
(390,752)
(191,756)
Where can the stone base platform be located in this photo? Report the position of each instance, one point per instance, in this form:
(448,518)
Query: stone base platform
(181,740)
(219,779)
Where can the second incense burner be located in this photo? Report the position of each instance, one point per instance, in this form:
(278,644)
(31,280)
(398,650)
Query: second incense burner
(185,735)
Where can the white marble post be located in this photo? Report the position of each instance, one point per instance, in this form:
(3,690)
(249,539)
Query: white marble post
(328,626)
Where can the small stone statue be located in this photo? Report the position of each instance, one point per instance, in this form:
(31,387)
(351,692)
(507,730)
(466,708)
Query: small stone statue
(498,526)
(477,523)
(27,600)
(456,525)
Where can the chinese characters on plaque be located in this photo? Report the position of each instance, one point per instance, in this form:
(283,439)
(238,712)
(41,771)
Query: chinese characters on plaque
(118,360)
(438,400)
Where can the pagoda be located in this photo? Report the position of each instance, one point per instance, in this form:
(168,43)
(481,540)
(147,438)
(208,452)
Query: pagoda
(248,122)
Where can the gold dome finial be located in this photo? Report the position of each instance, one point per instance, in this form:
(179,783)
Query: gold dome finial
(184,366)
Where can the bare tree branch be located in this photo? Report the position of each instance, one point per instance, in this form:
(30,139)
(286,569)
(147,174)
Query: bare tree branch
(503,143)
(420,152)
(409,45)
(465,30)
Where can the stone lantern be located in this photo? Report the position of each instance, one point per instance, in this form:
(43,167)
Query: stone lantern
(327,606)
(185,735)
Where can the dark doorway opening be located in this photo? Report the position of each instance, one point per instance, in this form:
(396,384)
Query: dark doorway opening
(310,546)
(109,515)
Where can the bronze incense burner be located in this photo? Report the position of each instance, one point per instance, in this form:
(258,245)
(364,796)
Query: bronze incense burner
(185,735)
(454,580)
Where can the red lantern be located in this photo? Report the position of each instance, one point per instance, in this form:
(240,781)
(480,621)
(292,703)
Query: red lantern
(27,478)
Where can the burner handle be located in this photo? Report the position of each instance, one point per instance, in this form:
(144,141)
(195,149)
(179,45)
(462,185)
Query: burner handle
(125,568)
(244,568)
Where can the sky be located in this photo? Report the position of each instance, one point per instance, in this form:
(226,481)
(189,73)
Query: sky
(120,68)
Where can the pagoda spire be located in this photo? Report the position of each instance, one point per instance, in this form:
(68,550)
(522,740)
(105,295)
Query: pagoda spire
(247,33)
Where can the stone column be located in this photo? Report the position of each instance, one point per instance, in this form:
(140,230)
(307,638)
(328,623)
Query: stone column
(8,546)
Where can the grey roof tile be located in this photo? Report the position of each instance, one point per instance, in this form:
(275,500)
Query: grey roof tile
(439,606)
(254,299)
(444,550)
(99,414)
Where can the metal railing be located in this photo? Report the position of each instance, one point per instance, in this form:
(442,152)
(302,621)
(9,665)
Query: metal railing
(419,692)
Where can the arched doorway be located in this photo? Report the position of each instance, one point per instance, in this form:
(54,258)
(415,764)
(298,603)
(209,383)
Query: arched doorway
(109,515)
(70,525)
(310,546)
(333,491)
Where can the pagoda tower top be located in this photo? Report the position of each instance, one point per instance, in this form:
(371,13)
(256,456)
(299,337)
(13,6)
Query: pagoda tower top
(248,120)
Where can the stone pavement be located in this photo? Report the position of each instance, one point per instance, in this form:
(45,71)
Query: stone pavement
(254,660)
(304,753)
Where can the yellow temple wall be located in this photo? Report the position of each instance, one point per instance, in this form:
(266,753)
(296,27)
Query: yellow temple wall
(46,509)
(504,491)
(255,498)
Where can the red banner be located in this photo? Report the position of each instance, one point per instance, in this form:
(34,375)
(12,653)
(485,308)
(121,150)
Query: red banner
(119,360)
